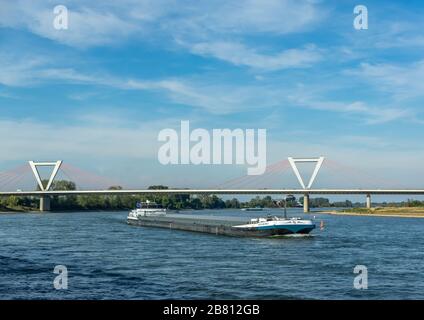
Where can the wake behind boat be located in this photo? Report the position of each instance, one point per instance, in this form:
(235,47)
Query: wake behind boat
(253,209)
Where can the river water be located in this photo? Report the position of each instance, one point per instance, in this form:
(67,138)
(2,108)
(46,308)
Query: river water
(108,259)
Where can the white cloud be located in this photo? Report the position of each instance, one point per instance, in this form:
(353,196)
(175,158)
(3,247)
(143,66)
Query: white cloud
(248,17)
(396,33)
(369,114)
(227,99)
(400,81)
(214,98)
(94,24)
(220,29)
(28,139)
(403,41)
(87,26)
(21,70)
(18,71)
(240,55)
(211,97)
(91,24)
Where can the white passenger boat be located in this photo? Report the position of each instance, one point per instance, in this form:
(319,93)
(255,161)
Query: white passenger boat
(147,208)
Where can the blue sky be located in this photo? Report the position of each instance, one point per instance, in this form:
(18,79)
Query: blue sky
(96,95)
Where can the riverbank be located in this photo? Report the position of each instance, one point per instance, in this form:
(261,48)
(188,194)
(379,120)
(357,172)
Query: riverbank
(400,212)
(34,210)
(18,209)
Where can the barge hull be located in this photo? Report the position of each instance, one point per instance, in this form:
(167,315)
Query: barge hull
(213,227)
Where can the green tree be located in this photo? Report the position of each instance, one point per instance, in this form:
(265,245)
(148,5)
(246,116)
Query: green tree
(157,187)
(115,188)
(12,202)
(196,203)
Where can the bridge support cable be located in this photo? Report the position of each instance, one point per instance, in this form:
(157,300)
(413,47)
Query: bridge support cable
(12,177)
(87,179)
(266,180)
(243,181)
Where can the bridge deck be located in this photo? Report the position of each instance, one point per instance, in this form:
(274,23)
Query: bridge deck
(218,191)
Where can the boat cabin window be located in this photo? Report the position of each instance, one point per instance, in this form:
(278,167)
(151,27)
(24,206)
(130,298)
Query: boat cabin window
(148,205)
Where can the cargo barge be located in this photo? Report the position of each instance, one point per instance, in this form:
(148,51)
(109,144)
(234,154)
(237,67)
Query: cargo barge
(271,226)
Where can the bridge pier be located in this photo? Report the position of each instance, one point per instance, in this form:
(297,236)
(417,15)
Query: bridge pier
(44,203)
(306,203)
(368,201)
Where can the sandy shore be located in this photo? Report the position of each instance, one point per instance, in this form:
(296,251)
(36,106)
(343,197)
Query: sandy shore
(380,212)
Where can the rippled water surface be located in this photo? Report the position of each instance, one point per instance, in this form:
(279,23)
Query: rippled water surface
(108,259)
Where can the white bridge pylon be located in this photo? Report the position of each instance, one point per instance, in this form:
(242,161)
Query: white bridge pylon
(56,165)
(318,165)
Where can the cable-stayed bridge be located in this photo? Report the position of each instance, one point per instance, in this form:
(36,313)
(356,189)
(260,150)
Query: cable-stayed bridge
(92,184)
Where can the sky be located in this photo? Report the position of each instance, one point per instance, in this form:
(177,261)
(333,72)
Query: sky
(97,94)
